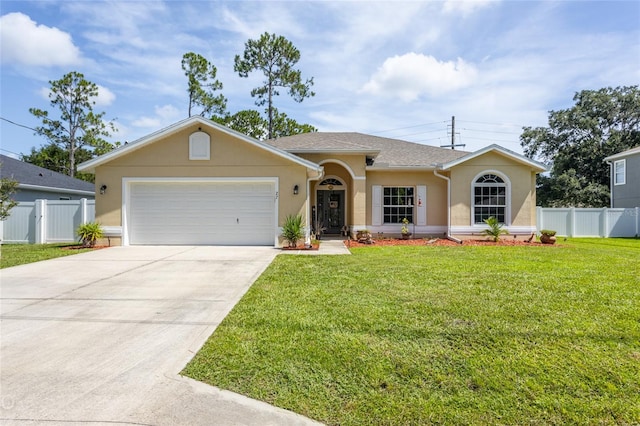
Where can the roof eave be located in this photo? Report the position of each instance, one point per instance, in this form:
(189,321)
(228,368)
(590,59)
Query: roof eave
(54,189)
(387,168)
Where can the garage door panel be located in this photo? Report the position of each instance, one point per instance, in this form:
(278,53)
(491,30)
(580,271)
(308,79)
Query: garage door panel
(228,213)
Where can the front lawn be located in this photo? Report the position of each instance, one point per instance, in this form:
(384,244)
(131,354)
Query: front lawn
(18,254)
(457,335)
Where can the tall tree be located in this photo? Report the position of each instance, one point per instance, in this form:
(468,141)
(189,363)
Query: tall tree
(601,123)
(275,56)
(202,85)
(77,126)
(53,157)
(251,123)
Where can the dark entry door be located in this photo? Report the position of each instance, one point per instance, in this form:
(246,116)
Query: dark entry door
(331,211)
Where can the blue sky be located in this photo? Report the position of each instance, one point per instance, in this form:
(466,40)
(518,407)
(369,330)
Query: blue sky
(393,69)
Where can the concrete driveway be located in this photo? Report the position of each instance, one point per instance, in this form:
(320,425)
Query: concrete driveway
(100,337)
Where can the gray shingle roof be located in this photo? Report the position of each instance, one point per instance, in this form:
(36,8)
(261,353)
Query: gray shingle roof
(392,152)
(29,174)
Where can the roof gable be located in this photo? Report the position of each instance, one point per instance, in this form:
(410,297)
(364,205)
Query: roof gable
(90,165)
(32,176)
(535,165)
(624,154)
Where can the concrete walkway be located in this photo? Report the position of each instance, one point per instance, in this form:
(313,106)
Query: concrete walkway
(100,337)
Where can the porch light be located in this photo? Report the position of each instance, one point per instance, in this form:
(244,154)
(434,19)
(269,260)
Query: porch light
(103,189)
(295,189)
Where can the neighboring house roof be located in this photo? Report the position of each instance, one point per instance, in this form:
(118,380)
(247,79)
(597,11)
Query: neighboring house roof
(30,176)
(499,150)
(89,166)
(390,152)
(623,154)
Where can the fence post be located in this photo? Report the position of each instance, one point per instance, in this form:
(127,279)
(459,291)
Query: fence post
(539,218)
(83,211)
(637,221)
(572,221)
(41,221)
(605,222)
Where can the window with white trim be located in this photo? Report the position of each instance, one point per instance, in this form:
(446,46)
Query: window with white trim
(619,177)
(397,204)
(489,198)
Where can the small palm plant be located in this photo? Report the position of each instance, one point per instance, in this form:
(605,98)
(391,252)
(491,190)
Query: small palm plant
(293,229)
(495,228)
(89,233)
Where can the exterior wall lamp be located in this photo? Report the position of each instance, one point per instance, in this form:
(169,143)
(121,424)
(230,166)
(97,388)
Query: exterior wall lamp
(103,189)
(295,189)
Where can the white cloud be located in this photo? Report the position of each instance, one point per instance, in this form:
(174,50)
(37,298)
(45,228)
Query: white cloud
(412,75)
(24,42)
(164,116)
(105,96)
(465,7)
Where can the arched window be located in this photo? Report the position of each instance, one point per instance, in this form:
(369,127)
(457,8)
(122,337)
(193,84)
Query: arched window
(490,198)
(331,181)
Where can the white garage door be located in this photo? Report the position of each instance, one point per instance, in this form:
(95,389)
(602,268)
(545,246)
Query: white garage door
(184,212)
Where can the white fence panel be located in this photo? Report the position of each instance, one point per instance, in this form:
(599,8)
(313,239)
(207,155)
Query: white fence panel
(63,218)
(20,226)
(588,222)
(583,222)
(556,219)
(46,221)
(622,222)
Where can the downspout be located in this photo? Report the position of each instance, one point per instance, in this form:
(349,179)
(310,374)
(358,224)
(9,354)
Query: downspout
(307,232)
(611,174)
(435,172)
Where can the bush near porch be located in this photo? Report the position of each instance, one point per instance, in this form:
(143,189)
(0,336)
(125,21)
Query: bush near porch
(457,335)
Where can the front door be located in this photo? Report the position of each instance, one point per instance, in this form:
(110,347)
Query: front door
(331,211)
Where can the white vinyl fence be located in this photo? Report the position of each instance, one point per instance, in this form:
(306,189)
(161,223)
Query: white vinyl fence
(582,222)
(46,221)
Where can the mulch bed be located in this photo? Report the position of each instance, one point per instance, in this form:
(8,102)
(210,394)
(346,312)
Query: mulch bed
(81,247)
(303,247)
(440,242)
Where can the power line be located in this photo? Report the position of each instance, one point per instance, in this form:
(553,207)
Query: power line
(490,131)
(17,124)
(493,124)
(409,127)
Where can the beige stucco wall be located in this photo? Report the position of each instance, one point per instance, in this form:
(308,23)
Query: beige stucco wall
(522,188)
(436,191)
(230,157)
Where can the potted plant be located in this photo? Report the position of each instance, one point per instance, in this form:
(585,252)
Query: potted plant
(404,230)
(293,229)
(363,236)
(495,228)
(89,233)
(547,236)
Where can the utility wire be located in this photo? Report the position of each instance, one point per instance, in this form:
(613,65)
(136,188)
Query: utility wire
(17,124)
(492,124)
(410,127)
(490,131)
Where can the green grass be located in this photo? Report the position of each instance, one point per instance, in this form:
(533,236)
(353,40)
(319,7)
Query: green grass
(19,254)
(455,335)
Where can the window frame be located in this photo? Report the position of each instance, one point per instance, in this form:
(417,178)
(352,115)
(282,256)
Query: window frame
(199,142)
(506,184)
(623,163)
(409,200)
